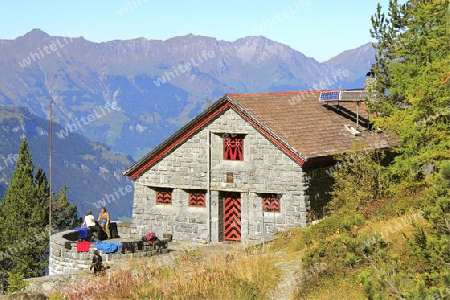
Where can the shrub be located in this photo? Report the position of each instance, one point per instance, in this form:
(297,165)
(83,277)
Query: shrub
(15,282)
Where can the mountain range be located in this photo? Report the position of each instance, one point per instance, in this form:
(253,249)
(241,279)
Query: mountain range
(157,86)
(129,95)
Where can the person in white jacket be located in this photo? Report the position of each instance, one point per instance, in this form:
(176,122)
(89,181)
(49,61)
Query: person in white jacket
(89,219)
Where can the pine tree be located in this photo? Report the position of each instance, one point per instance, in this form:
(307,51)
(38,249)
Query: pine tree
(64,213)
(413,71)
(41,184)
(24,218)
(413,67)
(23,238)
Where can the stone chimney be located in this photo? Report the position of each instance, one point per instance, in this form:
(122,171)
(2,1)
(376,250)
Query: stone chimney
(370,83)
(371,80)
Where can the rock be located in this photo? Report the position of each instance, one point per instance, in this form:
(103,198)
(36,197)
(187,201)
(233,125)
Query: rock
(48,286)
(24,296)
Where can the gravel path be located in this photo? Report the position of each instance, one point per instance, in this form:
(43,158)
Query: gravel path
(290,276)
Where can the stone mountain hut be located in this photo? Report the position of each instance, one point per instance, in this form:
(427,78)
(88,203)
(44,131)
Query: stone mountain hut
(249,165)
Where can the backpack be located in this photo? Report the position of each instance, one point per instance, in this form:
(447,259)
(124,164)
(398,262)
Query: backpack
(113,230)
(150,238)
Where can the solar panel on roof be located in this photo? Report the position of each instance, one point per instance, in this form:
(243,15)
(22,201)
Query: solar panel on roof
(354,95)
(330,96)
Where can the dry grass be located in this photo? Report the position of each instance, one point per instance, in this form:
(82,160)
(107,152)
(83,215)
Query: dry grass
(231,275)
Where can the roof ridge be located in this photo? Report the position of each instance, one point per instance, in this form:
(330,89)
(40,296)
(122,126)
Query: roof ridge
(312,92)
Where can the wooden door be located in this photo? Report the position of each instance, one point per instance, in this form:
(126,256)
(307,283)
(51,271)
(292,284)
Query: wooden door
(232,216)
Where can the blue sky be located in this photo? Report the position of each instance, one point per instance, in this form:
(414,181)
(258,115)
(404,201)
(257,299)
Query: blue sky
(317,28)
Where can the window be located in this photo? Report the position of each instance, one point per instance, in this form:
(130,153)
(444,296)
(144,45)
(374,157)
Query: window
(271,203)
(163,196)
(197,198)
(233,147)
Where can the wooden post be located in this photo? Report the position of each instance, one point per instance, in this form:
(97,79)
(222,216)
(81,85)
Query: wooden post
(2,284)
(51,172)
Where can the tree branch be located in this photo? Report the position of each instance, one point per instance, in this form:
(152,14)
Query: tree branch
(385,279)
(447,223)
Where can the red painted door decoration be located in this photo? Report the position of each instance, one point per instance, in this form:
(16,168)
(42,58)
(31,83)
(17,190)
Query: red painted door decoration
(232,217)
(233,148)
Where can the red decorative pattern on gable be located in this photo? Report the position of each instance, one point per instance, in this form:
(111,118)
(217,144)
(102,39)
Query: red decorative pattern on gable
(289,152)
(233,148)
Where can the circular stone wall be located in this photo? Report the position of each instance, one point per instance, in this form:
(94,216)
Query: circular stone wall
(64,261)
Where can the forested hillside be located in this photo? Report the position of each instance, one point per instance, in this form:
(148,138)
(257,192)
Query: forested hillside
(91,172)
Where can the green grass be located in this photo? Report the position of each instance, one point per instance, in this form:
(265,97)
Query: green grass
(335,243)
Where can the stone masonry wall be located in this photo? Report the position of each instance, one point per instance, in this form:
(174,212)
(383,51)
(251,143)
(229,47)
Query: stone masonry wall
(265,169)
(64,261)
(126,230)
(318,191)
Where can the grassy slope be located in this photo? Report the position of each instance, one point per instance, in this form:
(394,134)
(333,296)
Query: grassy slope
(330,283)
(325,253)
(329,242)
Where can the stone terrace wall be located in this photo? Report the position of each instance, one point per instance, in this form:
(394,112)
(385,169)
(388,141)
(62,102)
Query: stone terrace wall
(64,261)
(126,230)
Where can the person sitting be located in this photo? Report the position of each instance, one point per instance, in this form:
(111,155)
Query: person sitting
(94,230)
(89,219)
(104,221)
(97,263)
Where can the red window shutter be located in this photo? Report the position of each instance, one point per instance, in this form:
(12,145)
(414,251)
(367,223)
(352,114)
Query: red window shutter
(163,196)
(233,148)
(271,203)
(197,199)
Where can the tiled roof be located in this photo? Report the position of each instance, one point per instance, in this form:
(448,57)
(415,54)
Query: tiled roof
(297,122)
(312,128)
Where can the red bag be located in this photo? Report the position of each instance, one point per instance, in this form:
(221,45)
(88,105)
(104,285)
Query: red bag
(151,237)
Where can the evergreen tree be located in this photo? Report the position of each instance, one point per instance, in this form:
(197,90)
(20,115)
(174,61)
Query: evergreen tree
(413,70)
(430,244)
(41,184)
(24,218)
(22,221)
(64,213)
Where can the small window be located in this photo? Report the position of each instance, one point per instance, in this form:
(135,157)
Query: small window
(271,203)
(164,196)
(197,198)
(233,147)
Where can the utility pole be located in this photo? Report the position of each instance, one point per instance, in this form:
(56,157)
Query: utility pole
(51,171)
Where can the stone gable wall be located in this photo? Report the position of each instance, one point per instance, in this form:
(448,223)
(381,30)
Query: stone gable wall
(265,169)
